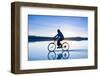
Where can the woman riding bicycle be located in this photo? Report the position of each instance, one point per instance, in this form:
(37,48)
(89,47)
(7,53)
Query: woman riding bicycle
(59,37)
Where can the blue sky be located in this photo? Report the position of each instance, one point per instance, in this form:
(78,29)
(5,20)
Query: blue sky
(46,25)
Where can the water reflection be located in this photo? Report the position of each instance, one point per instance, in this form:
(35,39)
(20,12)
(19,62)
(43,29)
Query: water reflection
(39,51)
(56,56)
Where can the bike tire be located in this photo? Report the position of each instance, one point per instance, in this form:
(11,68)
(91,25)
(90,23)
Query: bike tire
(65,54)
(51,55)
(67,46)
(54,47)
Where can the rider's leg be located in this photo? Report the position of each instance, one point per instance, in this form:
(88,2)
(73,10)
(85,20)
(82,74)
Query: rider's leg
(58,43)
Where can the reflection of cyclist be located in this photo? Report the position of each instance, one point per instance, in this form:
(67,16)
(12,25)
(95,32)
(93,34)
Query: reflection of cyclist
(59,37)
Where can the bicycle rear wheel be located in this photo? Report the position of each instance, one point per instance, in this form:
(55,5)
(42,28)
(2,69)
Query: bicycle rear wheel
(51,47)
(65,46)
(65,54)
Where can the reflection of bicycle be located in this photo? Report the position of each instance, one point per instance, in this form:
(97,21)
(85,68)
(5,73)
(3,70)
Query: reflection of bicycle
(52,50)
(51,55)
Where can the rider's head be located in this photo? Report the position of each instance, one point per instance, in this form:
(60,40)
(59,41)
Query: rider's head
(58,30)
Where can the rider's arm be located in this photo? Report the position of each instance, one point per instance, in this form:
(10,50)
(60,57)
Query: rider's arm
(56,36)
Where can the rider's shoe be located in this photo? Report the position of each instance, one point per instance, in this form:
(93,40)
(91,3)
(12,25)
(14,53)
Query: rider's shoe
(59,46)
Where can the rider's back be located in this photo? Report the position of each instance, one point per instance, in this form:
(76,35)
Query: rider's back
(61,35)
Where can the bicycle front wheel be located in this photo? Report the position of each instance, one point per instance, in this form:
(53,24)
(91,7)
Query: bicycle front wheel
(51,47)
(51,55)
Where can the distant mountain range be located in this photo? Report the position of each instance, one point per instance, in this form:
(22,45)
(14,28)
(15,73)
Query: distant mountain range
(39,38)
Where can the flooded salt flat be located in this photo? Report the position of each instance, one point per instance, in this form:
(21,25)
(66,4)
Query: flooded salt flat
(39,50)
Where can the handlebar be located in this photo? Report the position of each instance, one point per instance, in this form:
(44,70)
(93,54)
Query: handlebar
(54,38)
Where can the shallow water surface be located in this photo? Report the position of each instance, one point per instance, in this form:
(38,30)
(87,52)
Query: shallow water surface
(39,50)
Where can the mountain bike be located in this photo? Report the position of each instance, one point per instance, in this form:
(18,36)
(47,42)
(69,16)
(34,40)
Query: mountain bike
(52,47)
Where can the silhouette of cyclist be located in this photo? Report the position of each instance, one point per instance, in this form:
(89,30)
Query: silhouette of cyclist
(59,37)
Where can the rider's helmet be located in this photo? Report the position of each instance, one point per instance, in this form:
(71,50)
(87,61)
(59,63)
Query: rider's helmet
(58,30)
